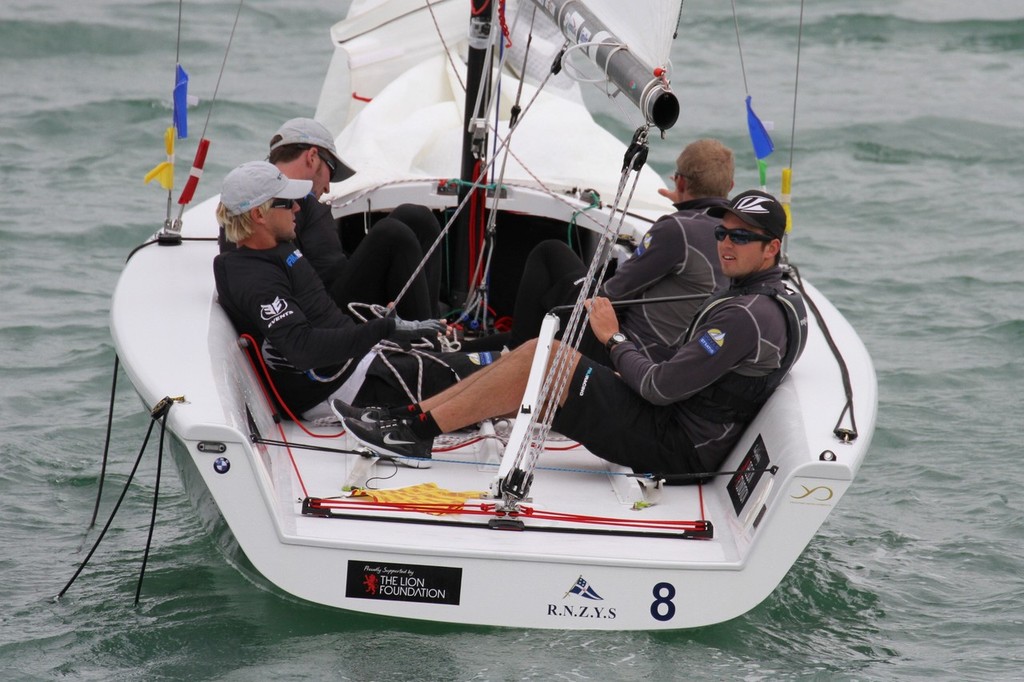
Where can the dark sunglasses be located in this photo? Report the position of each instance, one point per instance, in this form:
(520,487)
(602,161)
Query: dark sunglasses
(282,203)
(329,161)
(740,236)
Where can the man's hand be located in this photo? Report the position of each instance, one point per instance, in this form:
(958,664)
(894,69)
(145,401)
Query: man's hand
(603,321)
(412,330)
(675,196)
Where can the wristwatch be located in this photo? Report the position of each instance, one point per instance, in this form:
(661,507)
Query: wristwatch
(614,340)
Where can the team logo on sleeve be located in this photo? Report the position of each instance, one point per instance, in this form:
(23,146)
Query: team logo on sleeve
(274,359)
(645,244)
(712,340)
(269,311)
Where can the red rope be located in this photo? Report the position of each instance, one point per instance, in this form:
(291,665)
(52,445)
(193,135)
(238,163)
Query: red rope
(265,377)
(487,509)
(504,24)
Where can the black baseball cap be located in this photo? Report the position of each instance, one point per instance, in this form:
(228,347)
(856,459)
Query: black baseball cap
(755,208)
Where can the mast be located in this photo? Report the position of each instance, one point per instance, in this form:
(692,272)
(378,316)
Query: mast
(469,234)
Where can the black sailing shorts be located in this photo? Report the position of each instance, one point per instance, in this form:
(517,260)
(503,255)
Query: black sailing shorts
(616,424)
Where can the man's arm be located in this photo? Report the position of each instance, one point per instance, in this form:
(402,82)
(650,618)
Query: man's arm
(728,337)
(282,309)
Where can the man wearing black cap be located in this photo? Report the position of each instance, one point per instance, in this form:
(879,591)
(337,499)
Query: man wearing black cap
(680,416)
(387,257)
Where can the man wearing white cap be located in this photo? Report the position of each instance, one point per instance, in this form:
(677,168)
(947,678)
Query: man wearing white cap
(271,292)
(387,257)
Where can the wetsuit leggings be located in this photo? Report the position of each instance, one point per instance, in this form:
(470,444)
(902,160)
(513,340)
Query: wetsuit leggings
(385,260)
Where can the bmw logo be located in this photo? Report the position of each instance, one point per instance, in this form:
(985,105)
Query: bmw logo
(221,465)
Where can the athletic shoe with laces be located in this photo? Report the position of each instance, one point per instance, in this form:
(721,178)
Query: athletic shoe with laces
(366,415)
(393,437)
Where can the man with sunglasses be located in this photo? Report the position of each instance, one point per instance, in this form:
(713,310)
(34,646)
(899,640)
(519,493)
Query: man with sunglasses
(272,293)
(679,416)
(387,256)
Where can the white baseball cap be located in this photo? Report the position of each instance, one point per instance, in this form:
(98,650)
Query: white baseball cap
(255,182)
(310,132)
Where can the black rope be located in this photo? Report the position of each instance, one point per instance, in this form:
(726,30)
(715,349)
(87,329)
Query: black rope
(696,476)
(301,446)
(106,444)
(157,241)
(156,496)
(516,109)
(845,435)
(158,412)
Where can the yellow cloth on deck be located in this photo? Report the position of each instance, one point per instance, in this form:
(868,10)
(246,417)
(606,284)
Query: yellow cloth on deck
(423,493)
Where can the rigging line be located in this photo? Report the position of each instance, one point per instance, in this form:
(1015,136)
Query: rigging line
(559,371)
(505,149)
(842,434)
(481,271)
(698,476)
(156,497)
(577,74)
(106,444)
(557,376)
(456,444)
(174,85)
(506,152)
(579,318)
(796,82)
(503,145)
(522,73)
(177,45)
(447,50)
(479,295)
(113,513)
(223,64)
(739,46)
(209,112)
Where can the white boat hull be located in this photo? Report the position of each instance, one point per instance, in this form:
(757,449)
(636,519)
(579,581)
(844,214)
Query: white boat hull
(594,552)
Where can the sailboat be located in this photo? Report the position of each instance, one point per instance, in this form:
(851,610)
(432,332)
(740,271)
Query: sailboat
(435,103)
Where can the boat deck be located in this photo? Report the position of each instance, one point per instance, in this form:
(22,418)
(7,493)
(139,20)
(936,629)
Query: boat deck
(574,494)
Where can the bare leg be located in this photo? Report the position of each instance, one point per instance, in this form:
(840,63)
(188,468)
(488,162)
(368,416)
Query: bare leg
(496,390)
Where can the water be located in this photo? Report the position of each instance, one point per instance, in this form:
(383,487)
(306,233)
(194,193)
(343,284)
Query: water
(908,207)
